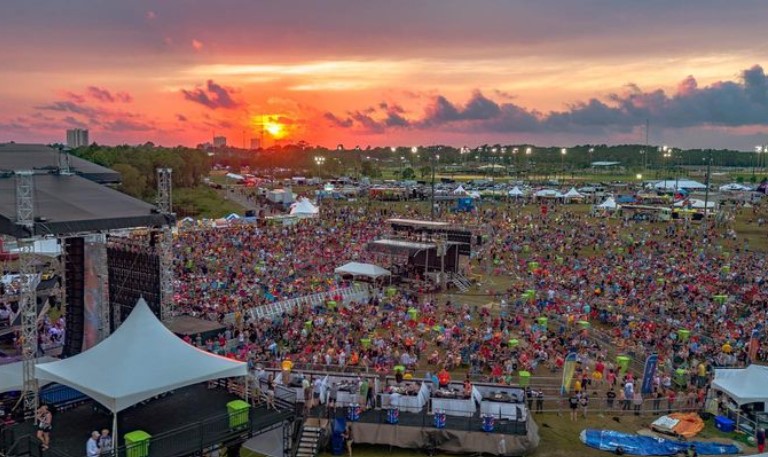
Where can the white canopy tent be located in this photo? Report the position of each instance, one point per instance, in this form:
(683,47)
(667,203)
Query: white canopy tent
(547,193)
(474,194)
(672,184)
(362,269)
(734,187)
(695,203)
(149,360)
(573,193)
(304,208)
(12,375)
(743,385)
(516,192)
(609,204)
(460,190)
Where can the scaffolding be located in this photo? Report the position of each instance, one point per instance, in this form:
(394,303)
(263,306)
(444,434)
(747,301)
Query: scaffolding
(25,217)
(165,205)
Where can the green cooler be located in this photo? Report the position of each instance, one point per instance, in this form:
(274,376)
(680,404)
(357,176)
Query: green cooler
(137,444)
(238,413)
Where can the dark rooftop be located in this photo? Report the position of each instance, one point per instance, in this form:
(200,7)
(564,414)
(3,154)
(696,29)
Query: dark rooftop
(39,157)
(72,204)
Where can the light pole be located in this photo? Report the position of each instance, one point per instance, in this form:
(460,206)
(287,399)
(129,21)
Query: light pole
(706,192)
(517,162)
(563,152)
(319,161)
(402,161)
(528,152)
(435,158)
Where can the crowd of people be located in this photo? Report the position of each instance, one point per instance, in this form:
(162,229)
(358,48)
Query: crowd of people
(692,293)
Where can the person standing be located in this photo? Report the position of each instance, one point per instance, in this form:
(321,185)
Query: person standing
(573,403)
(584,403)
(348,439)
(540,401)
(105,442)
(44,419)
(92,446)
(610,397)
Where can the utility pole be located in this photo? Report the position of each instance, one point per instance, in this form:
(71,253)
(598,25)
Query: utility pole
(432,205)
(706,192)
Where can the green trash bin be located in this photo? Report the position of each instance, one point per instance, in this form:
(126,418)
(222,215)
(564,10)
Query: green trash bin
(365,343)
(238,413)
(391,291)
(559,260)
(526,248)
(725,269)
(584,325)
(660,281)
(623,362)
(137,443)
(683,334)
(413,313)
(513,343)
(533,265)
(680,377)
(542,321)
(529,294)
(308,326)
(331,305)
(399,368)
(525,378)
(720,299)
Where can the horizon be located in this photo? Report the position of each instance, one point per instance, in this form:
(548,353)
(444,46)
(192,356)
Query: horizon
(551,73)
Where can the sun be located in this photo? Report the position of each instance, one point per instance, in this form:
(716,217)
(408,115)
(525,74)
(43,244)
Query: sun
(275,129)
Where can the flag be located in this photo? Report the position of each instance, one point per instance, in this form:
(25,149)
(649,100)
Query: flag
(569,368)
(649,372)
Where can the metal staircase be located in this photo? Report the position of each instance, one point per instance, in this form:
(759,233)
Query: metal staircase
(461,282)
(309,441)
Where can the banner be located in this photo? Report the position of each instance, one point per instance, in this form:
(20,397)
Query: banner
(754,345)
(569,368)
(649,372)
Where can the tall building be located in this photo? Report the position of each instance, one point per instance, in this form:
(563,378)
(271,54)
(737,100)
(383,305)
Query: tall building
(77,138)
(255,143)
(219,141)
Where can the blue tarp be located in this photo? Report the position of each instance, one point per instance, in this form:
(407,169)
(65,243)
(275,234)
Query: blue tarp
(610,440)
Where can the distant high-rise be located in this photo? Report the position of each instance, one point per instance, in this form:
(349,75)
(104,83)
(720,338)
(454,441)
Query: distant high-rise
(219,141)
(255,143)
(77,138)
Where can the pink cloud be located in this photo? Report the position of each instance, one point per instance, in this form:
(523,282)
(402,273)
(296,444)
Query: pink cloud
(197,45)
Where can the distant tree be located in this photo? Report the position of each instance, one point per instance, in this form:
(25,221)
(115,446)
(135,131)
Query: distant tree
(408,173)
(425,171)
(133,182)
(369,169)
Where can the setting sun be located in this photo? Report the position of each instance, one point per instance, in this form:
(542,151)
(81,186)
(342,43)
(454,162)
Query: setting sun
(274,129)
(270,124)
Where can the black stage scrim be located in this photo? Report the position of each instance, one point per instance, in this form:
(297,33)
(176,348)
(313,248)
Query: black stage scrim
(411,228)
(133,265)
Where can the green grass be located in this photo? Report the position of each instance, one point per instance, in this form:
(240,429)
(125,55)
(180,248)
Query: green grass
(204,202)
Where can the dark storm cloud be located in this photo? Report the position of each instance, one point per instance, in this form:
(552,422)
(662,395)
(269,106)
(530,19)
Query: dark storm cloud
(213,96)
(724,103)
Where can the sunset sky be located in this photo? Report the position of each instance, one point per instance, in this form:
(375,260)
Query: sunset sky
(364,72)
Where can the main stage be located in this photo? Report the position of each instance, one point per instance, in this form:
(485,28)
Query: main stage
(180,423)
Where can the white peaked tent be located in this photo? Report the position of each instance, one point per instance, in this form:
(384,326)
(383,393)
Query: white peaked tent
(474,194)
(233,217)
(735,187)
(362,269)
(573,193)
(304,208)
(515,192)
(460,190)
(609,204)
(143,359)
(745,385)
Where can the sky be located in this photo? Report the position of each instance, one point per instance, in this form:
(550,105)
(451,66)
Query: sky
(394,72)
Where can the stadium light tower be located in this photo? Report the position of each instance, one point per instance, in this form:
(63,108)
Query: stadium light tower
(165,206)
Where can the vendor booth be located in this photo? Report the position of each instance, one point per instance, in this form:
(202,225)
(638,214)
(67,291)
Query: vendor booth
(744,391)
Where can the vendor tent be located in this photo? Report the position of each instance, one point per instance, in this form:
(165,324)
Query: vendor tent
(573,193)
(362,269)
(233,217)
(148,360)
(679,184)
(460,191)
(609,204)
(734,187)
(12,375)
(694,203)
(547,193)
(304,208)
(474,194)
(743,385)
(515,192)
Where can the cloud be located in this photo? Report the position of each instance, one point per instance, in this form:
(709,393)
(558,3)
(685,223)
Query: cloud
(197,44)
(151,15)
(727,104)
(69,106)
(181,118)
(212,96)
(103,95)
(128,125)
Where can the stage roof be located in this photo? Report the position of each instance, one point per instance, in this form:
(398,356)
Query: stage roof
(39,157)
(418,223)
(72,204)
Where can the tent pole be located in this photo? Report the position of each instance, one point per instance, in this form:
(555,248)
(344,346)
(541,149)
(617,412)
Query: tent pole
(115,441)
